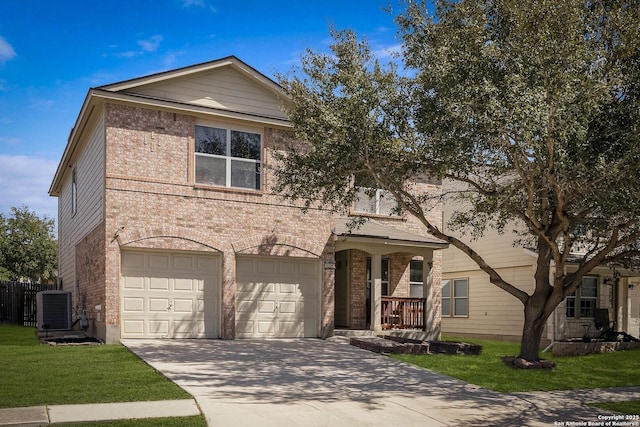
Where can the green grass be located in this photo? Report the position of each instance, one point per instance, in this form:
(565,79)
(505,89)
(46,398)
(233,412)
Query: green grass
(632,407)
(40,374)
(619,369)
(196,421)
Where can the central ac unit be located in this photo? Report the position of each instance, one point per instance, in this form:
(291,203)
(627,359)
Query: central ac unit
(54,310)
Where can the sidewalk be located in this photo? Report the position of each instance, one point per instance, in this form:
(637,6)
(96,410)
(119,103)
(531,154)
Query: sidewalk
(55,414)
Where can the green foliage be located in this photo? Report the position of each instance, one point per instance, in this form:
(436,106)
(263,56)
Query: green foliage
(355,115)
(534,105)
(28,249)
(528,111)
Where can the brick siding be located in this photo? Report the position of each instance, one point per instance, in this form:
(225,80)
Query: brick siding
(151,201)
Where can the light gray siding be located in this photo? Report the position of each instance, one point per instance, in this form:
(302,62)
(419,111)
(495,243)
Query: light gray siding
(89,163)
(492,311)
(224,88)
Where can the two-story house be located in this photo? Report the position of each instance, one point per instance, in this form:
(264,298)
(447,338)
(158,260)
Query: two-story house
(472,306)
(168,225)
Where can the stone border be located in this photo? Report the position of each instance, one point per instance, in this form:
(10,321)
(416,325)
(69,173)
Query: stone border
(399,345)
(578,348)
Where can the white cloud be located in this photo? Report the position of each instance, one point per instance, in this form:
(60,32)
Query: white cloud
(151,44)
(189,3)
(170,58)
(388,52)
(128,54)
(10,140)
(146,45)
(25,180)
(41,104)
(6,51)
(198,3)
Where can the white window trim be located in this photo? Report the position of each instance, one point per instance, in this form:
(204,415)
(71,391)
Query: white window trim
(369,269)
(452,298)
(379,193)
(412,283)
(228,158)
(577,297)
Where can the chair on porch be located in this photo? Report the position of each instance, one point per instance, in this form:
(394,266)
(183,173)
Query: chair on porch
(607,327)
(604,325)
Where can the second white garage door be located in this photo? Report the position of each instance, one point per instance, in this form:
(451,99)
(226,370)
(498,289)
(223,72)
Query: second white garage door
(169,295)
(277,297)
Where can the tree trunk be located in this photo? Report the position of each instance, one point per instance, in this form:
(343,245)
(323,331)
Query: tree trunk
(534,321)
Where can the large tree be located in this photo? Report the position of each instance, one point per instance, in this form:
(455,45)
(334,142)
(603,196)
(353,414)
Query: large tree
(529,108)
(28,248)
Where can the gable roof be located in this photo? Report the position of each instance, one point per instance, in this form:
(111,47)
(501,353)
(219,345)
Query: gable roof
(231,60)
(260,103)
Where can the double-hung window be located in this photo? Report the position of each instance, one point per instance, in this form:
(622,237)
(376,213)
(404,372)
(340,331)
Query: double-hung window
(582,303)
(373,201)
(415,279)
(228,157)
(455,298)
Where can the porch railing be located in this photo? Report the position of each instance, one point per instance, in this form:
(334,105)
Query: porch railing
(403,313)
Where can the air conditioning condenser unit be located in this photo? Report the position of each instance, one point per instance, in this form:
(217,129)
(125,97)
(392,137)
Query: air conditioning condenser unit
(54,310)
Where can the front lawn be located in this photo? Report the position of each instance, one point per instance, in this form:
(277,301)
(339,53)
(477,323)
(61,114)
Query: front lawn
(196,421)
(619,369)
(40,374)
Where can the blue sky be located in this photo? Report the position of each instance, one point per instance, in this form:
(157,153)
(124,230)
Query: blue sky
(53,51)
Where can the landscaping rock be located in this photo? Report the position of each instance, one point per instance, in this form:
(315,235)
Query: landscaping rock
(578,348)
(520,363)
(400,345)
(402,340)
(455,348)
(375,344)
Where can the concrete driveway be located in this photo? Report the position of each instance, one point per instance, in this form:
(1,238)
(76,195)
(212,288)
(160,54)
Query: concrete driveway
(310,382)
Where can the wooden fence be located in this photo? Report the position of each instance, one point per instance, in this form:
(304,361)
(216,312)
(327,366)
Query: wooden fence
(18,302)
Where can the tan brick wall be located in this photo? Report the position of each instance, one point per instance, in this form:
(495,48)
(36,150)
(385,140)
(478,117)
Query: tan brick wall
(152,145)
(152,202)
(90,277)
(358,280)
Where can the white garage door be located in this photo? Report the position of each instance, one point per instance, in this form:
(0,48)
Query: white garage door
(169,295)
(277,297)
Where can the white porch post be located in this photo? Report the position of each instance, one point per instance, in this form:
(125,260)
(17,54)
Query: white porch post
(376,292)
(430,307)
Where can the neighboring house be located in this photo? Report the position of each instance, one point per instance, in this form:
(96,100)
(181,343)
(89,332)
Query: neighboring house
(168,226)
(472,306)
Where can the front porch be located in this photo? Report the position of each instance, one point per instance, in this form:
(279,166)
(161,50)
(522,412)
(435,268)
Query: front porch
(387,280)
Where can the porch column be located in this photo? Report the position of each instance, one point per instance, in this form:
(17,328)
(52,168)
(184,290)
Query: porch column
(376,292)
(431,304)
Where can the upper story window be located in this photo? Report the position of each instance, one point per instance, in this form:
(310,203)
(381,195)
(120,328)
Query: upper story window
(373,201)
(228,158)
